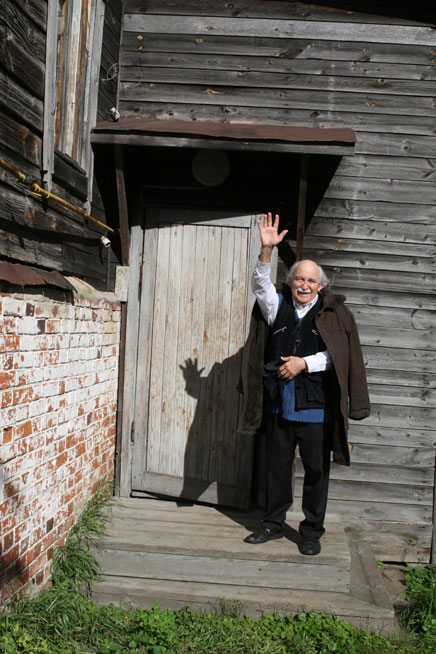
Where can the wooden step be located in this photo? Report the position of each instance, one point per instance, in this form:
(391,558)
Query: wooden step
(133,592)
(179,554)
(218,570)
(161,540)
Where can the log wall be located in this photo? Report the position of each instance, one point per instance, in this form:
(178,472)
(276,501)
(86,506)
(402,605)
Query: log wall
(374,229)
(33,232)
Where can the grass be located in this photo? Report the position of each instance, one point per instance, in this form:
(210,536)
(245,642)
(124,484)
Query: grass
(63,620)
(419,616)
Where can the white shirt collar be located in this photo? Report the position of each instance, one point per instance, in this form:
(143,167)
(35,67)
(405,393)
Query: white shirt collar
(302,309)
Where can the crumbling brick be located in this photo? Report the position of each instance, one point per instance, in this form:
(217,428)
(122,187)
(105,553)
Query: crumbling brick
(58,385)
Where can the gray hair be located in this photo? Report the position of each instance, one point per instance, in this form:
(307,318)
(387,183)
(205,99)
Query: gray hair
(323,279)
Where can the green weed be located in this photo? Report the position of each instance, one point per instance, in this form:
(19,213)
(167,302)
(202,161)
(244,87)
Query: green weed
(419,616)
(73,564)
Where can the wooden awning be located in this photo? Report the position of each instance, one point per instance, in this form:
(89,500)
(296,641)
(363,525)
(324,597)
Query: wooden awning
(230,136)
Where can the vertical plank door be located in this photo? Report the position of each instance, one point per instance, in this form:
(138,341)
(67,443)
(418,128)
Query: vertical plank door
(194,307)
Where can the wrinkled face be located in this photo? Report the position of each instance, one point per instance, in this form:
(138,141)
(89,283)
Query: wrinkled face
(305,282)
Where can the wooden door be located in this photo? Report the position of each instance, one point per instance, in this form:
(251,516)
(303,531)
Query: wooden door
(194,307)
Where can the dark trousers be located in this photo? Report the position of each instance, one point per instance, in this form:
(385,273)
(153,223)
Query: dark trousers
(313,440)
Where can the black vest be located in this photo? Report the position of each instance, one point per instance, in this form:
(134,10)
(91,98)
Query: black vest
(292,337)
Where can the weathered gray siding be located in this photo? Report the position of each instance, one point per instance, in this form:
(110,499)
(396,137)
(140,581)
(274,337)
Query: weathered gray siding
(109,68)
(374,230)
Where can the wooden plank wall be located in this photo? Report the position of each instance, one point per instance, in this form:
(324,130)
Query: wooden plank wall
(30,232)
(374,230)
(104,200)
(109,65)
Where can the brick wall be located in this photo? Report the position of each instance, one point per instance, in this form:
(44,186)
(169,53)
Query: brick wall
(58,386)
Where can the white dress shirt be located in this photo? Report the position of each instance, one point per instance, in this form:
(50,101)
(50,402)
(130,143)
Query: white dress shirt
(268,301)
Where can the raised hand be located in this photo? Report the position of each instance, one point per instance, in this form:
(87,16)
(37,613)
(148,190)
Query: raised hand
(269,235)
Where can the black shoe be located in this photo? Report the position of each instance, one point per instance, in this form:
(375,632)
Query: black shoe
(310,546)
(262,536)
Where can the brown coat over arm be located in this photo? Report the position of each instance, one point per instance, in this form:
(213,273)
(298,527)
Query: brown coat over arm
(338,329)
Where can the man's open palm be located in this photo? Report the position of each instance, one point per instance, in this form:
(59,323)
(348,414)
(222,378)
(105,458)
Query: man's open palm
(269,231)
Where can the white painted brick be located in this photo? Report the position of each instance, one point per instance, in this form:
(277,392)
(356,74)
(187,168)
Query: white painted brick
(57,372)
(56,364)
(82,395)
(61,431)
(109,339)
(71,384)
(75,340)
(95,391)
(68,326)
(28,325)
(76,369)
(38,407)
(99,365)
(86,327)
(26,462)
(54,326)
(98,340)
(32,375)
(73,354)
(37,342)
(45,309)
(61,341)
(105,375)
(111,328)
(12,415)
(89,405)
(84,313)
(64,356)
(79,423)
(91,353)
(107,351)
(48,389)
(12,306)
(70,398)
(27,343)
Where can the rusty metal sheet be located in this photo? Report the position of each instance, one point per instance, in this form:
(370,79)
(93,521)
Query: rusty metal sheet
(55,278)
(16,273)
(236,131)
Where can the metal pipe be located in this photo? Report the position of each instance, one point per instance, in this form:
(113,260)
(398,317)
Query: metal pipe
(41,192)
(20,177)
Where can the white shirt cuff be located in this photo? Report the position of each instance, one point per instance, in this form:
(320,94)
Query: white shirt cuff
(318,362)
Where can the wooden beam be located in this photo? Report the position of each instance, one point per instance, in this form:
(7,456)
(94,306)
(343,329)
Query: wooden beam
(50,95)
(122,204)
(130,361)
(302,195)
(113,138)
(121,372)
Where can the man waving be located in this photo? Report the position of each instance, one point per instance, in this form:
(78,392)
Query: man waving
(313,381)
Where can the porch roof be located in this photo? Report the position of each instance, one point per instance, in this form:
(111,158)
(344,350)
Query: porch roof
(247,136)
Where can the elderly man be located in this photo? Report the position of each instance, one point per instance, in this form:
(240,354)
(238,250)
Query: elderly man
(313,381)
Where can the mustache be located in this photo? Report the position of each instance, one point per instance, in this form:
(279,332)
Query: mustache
(306,291)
